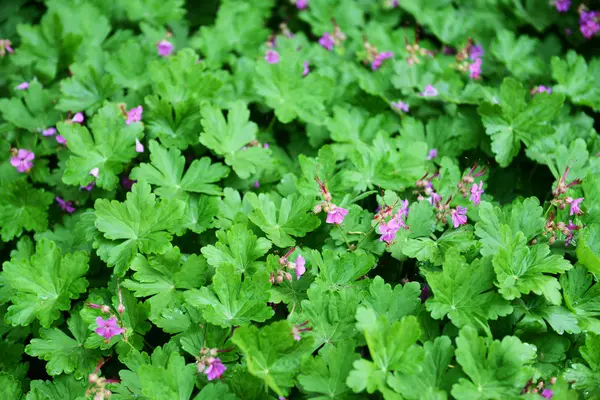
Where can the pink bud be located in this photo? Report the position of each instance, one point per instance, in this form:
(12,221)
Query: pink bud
(121,308)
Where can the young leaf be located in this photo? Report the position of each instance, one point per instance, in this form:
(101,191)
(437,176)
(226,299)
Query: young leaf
(586,377)
(33,111)
(282,218)
(166,172)
(576,80)
(582,297)
(22,207)
(140,223)
(61,387)
(465,292)
(499,369)
(44,283)
(108,148)
(173,381)
(176,125)
(338,270)
(272,354)
(86,89)
(231,302)
(395,303)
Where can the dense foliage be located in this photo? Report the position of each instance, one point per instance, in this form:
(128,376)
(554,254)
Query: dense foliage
(305,199)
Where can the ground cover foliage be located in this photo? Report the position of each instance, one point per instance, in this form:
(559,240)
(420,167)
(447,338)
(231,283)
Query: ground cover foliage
(306,199)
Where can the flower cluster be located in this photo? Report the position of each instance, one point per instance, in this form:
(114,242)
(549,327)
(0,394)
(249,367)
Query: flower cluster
(588,22)
(540,388)
(97,384)
(388,228)
(562,5)
(298,266)
(329,41)
(209,364)
(469,59)
(374,57)
(415,52)
(561,201)
(467,185)
(335,214)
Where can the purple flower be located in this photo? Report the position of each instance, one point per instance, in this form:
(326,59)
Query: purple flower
(89,186)
(5,47)
(300,266)
(215,369)
(336,216)
(403,211)
(61,140)
(425,292)
(562,5)
(139,147)
(165,48)
(544,89)
(400,106)
(448,51)
(134,115)
(380,58)
(388,230)
(571,228)
(272,57)
(587,23)
(301,4)
(22,86)
(434,199)
(65,205)
(459,216)
(476,192)
(475,69)
(23,160)
(306,68)
(548,393)
(429,91)
(475,52)
(327,41)
(49,132)
(95,172)
(266,146)
(575,206)
(256,184)
(78,118)
(433,153)
(127,183)
(107,328)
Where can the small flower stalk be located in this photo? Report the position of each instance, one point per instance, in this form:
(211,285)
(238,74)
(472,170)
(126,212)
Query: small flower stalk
(297,330)
(468,186)
(298,267)
(561,201)
(97,384)
(329,41)
(415,52)
(209,364)
(335,214)
(540,388)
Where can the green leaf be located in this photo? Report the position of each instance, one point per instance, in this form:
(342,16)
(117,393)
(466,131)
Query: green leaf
(228,138)
(166,172)
(426,249)
(465,292)
(525,217)
(392,346)
(33,110)
(239,247)
(282,218)
(108,148)
(576,80)
(521,269)
(175,381)
(231,302)
(514,121)
(533,311)
(324,376)
(216,391)
(44,283)
(429,383)
(272,354)
(518,54)
(140,223)
(22,207)
(582,297)
(588,248)
(61,387)
(587,377)
(176,125)
(156,12)
(395,303)
(496,369)
(86,89)
(127,65)
(65,354)
(159,278)
(338,270)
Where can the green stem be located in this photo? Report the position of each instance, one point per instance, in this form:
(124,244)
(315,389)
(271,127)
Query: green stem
(343,235)
(367,234)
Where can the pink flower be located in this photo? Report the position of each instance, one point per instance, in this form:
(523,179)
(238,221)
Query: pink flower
(22,86)
(476,192)
(89,186)
(300,266)
(266,146)
(5,47)
(23,160)
(256,184)
(380,58)
(429,91)
(65,205)
(165,48)
(327,41)
(544,89)
(403,211)
(562,5)
(433,153)
(459,216)
(434,199)
(388,230)
(108,328)
(272,57)
(475,52)
(400,105)
(475,69)
(575,205)
(78,118)
(49,132)
(61,140)
(306,68)
(301,4)
(588,24)
(215,369)
(547,393)
(569,235)
(134,115)
(336,216)
(95,172)
(139,147)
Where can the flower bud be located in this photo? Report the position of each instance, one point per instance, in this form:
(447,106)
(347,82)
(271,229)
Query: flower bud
(121,308)
(272,278)
(317,209)
(279,279)
(553,380)
(105,309)
(288,276)
(93,378)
